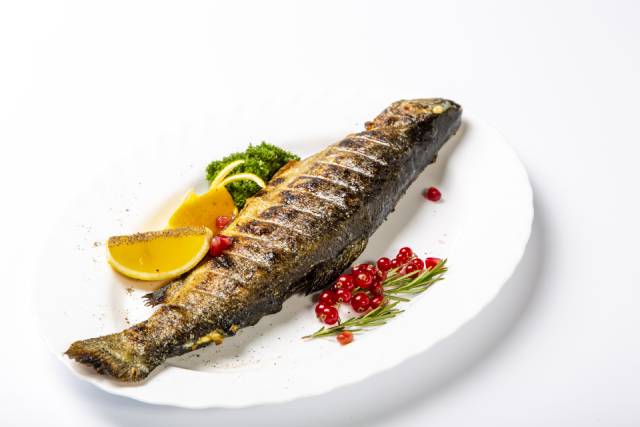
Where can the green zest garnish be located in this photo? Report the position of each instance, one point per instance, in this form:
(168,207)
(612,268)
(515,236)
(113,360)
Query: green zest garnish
(263,160)
(398,288)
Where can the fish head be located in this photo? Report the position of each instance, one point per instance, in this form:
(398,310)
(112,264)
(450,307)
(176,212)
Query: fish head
(406,113)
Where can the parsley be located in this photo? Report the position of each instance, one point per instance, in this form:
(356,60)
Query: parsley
(263,160)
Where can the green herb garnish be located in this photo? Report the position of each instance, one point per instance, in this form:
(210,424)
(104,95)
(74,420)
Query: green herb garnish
(263,160)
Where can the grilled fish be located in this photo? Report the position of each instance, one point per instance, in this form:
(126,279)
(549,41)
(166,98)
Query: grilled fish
(296,235)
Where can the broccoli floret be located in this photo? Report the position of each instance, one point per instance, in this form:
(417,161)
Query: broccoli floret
(263,160)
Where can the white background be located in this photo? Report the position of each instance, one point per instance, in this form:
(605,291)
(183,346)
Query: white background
(84,83)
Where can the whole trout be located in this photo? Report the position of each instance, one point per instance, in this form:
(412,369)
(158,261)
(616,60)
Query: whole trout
(296,235)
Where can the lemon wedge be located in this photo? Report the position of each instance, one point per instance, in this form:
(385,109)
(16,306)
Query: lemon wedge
(202,210)
(159,255)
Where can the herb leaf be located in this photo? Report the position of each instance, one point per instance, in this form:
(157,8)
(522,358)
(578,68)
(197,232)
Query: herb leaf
(263,160)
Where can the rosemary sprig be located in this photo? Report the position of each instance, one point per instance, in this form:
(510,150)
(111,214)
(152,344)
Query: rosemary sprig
(408,284)
(397,289)
(376,317)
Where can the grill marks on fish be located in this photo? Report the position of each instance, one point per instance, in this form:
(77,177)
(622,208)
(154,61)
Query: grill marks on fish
(288,214)
(339,196)
(262,206)
(342,168)
(262,240)
(296,235)
(284,227)
(359,154)
(329,180)
(224,266)
(365,152)
(383,141)
(351,167)
(262,255)
(292,227)
(248,256)
(280,229)
(305,201)
(281,238)
(209,280)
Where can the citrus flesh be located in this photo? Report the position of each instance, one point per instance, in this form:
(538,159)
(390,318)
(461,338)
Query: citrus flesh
(159,255)
(202,210)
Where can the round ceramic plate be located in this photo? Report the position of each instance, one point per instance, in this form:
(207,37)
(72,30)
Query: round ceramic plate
(79,296)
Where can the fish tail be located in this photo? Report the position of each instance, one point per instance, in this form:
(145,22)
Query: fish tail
(113,355)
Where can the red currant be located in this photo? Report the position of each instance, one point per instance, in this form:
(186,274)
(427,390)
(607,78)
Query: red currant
(327,298)
(319,307)
(222,221)
(429,263)
(411,270)
(433,194)
(376,302)
(219,244)
(364,279)
(384,264)
(417,263)
(377,289)
(216,248)
(402,257)
(329,315)
(406,251)
(395,263)
(360,268)
(342,295)
(374,272)
(360,302)
(381,276)
(344,337)
(345,281)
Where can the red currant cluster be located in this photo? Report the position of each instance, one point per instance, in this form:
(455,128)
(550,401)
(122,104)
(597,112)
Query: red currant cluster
(362,288)
(220,243)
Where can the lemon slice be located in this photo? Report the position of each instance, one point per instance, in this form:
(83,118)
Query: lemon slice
(202,210)
(159,255)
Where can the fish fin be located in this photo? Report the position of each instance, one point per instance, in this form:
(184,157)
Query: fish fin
(164,295)
(156,297)
(113,355)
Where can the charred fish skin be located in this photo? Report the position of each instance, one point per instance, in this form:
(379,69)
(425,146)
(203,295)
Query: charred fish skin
(317,278)
(296,235)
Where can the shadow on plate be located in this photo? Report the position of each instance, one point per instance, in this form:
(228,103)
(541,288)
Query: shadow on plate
(370,401)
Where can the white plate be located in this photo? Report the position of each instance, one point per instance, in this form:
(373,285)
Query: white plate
(486,209)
